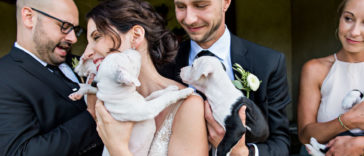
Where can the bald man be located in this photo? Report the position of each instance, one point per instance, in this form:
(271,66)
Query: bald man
(36,115)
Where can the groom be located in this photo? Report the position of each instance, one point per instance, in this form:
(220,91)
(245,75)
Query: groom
(204,22)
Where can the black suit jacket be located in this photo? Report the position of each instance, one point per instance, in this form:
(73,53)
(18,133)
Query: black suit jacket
(37,117)
(272,96)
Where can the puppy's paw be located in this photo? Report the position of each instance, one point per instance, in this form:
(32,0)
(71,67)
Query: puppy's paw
(75,96)
(159,93)
(171,88)
(185,92)
(312,151)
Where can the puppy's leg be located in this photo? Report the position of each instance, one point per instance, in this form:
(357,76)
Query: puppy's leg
(84,89)
(352,98)
(161,92)
(158,104)
(234,131)
(315,148)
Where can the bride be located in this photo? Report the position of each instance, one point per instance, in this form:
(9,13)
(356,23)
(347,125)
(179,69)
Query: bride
(117,25)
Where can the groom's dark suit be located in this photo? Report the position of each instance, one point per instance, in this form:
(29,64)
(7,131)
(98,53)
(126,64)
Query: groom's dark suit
(36,116)
(272,95)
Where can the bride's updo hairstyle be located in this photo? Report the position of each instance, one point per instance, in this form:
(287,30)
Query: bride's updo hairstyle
(124,14)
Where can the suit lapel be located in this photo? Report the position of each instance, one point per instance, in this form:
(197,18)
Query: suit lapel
(239,55)
(181,60)
(34,68)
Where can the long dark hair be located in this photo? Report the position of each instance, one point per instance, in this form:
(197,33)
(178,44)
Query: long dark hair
(124,14)
(341,7)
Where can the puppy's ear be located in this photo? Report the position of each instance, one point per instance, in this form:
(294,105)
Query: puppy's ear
(203,72)
(123,77)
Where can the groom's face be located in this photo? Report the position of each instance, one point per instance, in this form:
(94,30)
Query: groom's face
(203,20)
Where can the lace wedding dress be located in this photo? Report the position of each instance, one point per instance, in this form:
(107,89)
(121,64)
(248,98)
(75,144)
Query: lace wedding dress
(160,141)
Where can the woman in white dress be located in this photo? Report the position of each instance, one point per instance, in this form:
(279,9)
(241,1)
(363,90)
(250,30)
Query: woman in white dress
(117,25)
(324,83)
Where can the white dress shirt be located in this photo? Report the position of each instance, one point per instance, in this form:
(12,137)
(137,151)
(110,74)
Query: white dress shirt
(221,48)
(66,70)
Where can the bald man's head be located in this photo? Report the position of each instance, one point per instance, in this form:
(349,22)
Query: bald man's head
(40,4)
(41,28)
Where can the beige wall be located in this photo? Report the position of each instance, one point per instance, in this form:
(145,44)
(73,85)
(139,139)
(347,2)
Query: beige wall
(314,24)
(268,23)
(7,27)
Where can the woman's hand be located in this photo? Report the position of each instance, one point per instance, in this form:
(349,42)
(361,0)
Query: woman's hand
(216,132)
(346,146)
(354,118)
(115,134)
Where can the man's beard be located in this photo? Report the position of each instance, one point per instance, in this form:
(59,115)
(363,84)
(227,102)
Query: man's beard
(210,34)
(45,46)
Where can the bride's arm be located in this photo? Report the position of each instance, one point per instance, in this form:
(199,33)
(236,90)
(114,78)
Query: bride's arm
(189,135)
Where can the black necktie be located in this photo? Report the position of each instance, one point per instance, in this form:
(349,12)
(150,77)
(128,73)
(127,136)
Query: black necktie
(205,53)
(59,73)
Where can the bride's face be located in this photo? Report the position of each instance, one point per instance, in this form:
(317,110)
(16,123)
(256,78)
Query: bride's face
(99,45)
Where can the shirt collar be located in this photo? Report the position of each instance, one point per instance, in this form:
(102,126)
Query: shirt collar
(31,54)
(220,48)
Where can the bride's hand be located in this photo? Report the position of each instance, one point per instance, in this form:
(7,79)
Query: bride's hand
(115,134)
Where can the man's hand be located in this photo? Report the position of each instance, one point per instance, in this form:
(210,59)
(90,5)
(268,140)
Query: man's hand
(346,146)
(217,132)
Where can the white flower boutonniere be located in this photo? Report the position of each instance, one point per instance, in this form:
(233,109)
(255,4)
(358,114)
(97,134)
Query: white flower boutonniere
(74,62)
(247,81)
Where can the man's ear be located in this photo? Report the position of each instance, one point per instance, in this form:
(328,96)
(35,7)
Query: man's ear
(28,17)
(138,34)
(226,4)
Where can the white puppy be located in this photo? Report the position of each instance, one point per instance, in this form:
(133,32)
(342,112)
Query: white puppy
(85,68)
(117,79)
(208,76)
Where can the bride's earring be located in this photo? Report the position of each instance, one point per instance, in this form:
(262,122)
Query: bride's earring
(133,45)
